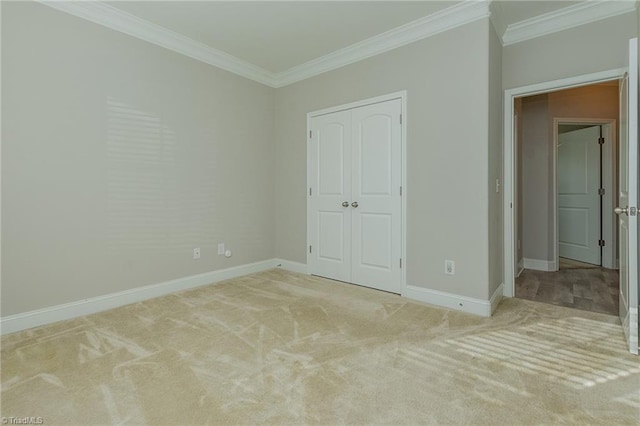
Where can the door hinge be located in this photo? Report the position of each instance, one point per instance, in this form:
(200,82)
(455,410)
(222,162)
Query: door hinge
(309,249)
(310,133)
(601,140)
(400,263)
(601,243)
(601,191)
(400,118)
(309,191)
(401,191)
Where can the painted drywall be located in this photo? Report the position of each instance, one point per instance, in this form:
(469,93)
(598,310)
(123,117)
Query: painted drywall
(495,249)
(599,46)
(447,152)
(536,178)
(120,157)
(595,101)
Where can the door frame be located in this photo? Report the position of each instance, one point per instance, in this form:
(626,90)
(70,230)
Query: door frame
(510,158)
(608,172)
(402,95)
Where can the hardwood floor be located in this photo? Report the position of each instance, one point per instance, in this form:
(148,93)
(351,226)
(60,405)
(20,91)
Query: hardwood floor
(588,288)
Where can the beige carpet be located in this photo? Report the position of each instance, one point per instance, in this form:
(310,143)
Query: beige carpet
(284,348)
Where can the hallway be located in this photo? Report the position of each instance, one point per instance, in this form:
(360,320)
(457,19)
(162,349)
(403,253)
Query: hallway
(575,285)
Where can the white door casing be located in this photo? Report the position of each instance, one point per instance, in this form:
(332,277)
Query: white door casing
(355,226)
(628,200)
(510,163)
(578,198)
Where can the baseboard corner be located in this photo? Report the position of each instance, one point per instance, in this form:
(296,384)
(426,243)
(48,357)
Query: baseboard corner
(496,297)
(289,265)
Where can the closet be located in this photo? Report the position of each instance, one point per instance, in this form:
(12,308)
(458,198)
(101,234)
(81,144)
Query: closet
(354,196)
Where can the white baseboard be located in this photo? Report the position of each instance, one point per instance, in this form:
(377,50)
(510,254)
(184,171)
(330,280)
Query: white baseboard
(22,321)
(288,265)
(540,265)
(520,267)
(452,301)
(496,297)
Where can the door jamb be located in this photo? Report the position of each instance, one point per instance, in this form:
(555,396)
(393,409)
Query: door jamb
(608,172)
(509,160)
(402,95)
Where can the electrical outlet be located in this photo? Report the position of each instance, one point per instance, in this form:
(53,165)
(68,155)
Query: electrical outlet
(196,253)
(449,267)
(220,249)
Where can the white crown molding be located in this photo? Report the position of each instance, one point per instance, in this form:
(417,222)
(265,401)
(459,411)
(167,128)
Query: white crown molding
(446,19)
(565,18)
(116,19)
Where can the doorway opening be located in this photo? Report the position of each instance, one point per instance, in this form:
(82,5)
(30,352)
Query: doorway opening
(565,229)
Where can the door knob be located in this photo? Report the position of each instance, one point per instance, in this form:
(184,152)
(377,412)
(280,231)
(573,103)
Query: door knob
(345,204)
(621,210)
(354,204)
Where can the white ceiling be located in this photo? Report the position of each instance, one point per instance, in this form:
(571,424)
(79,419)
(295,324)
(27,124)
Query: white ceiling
(277,35)
(280,35)
(280,42)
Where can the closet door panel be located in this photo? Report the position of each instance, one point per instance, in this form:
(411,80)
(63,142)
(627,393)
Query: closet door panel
(329,221)
(376,179)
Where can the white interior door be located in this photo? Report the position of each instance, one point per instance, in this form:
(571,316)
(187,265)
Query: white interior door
(354,217)
(628,200)
(330,198)
(579,212)
(376,179)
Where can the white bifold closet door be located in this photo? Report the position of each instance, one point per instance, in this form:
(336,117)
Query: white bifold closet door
(355,228)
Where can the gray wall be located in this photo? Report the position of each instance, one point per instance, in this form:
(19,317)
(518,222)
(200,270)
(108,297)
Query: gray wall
(595,101)
(447,152)
(495,249)
(119,157)
(126,156)
(536,178)
(590,48)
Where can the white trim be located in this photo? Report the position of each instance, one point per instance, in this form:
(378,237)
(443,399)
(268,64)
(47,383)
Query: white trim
(119,20)
(496,297)
(288,265)
(451,301)
(452,17)
(608,177)
(565,18)
(520,268)
(509,171)
(444,20)
(631,318)
(403,177)
(540,265)
(402,95)
(357,104)
(22,321)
